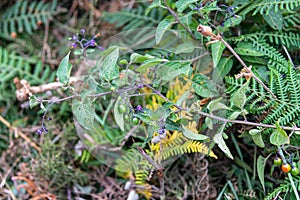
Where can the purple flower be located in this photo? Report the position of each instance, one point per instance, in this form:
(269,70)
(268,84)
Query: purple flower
(74,37)
(91,42)
(161,131)
(74,45)
(42,130)
(82,31)
(139,108)
(39,131)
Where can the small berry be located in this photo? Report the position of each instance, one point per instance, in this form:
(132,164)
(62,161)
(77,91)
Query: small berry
(135,121)
(295,170)
(286,167)
(277,161)
(13,35)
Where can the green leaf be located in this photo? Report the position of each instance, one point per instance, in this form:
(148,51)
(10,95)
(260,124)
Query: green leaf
(223,68)
(234,115)
(84,113)
(209,123)
(32,101)
(119,117)
(218,138)
(162,27)
(216,105)
(150,63)
(279,136)
(183,4)
(231,22)
(64,70)
(274,19)
(247,49)
(154,4)
(257,138)
(203,86)
(217,50)
(193,136)
(171,70)
(138,58)
(261,162)
(109,69)
(239,98)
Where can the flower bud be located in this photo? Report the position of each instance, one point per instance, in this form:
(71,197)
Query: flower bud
(204,30)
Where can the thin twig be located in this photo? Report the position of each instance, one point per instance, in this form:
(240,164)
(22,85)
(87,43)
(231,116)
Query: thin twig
(173,13)
(220,118)
(245,66)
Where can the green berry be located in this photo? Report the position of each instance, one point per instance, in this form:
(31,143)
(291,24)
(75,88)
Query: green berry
(135,121)
(277,161)
(113,88)
(295,169)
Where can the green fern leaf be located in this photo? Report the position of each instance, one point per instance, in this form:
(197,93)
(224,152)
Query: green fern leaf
(265,6)
(27,16)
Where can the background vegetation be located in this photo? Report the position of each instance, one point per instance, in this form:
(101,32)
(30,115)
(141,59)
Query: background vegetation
(207,107)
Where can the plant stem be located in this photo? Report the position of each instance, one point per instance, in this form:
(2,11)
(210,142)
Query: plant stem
(221,118)
(246,67)
(173,13)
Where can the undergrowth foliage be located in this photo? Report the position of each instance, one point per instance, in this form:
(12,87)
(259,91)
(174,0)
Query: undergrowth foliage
(213,78)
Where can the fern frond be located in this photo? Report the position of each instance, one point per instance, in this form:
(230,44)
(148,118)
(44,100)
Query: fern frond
(287,39)
(248,194)
(264,6)
(233,84)
(291,20)
(277,60)
(293,86)
(128,163)
(12,65)
(134,18)
(280,85)
(180,145)
(25,15)
(283,188)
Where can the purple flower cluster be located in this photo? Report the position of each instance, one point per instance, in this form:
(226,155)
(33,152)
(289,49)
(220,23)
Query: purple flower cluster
(79,39)
(162,130)
(43,129)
